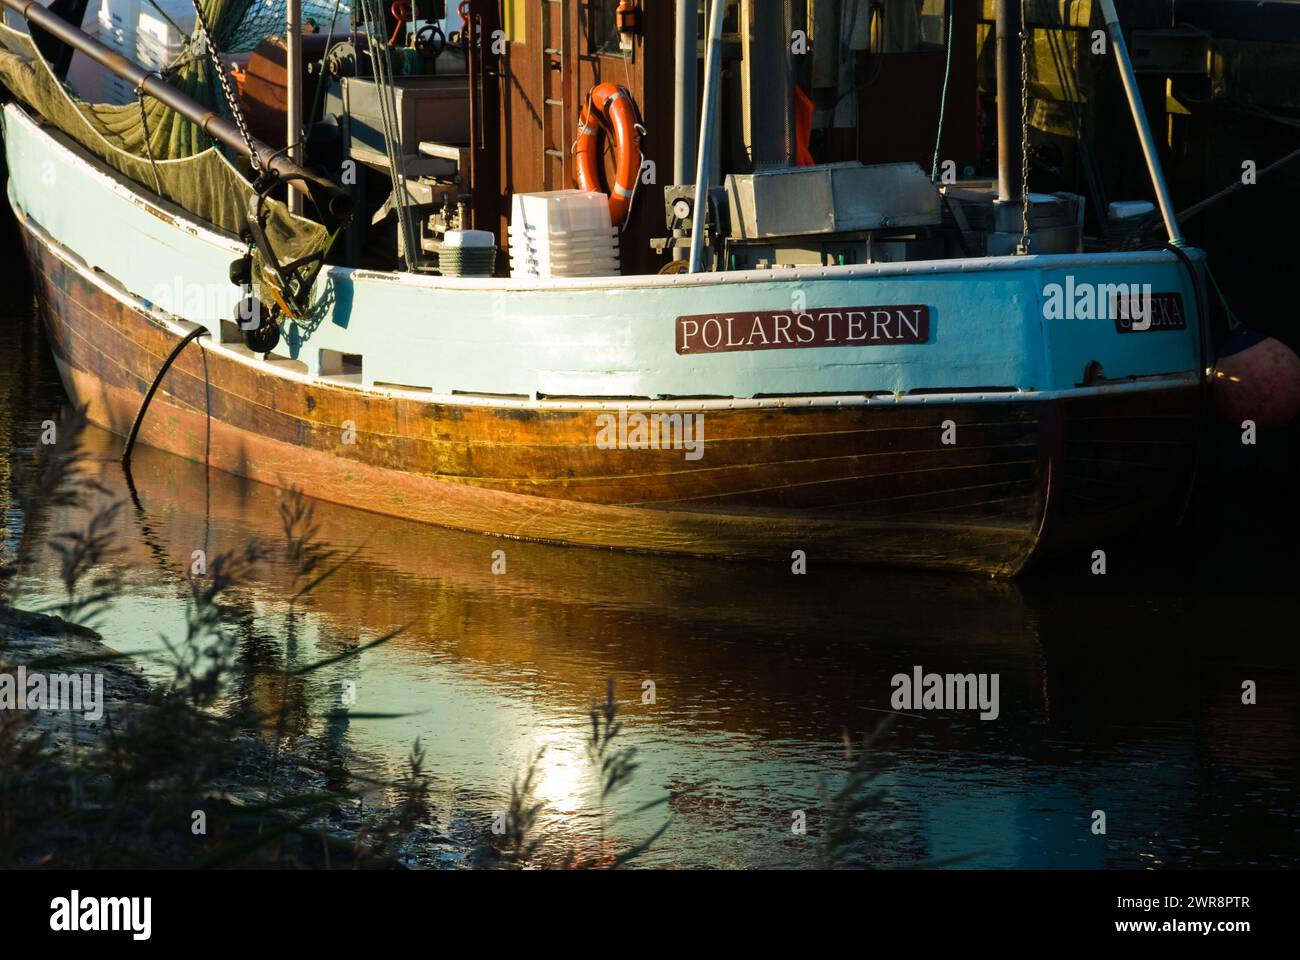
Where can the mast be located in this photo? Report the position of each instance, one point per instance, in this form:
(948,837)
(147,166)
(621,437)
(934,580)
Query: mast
(708,132)
(1149,151)
(293,91)
(1006,35)
(685,59)
(686,55)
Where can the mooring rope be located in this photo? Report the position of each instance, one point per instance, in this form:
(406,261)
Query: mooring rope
(153,388)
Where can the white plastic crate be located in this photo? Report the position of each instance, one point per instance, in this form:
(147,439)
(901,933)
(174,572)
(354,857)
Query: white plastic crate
(158,42)
(118,20)
(521,252)
(139,32)
(560,212)
(562,233)
(524,265)
(567,236)
(120,15)
(532,256)
(562,256)
(533,268)
(596,244)
(179,12)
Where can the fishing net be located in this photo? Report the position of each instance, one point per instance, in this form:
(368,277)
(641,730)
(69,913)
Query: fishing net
(266,18)
(160,150)
(238,26)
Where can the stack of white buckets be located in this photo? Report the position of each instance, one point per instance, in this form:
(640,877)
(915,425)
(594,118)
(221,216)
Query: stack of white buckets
(562,233)
(139,32)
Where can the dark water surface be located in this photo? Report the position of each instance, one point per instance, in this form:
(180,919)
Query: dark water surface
(1119,693)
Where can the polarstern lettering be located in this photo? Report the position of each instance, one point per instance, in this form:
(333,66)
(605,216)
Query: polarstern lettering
(822,327)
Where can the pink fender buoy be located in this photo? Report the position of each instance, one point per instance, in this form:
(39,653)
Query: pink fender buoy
(1257,378)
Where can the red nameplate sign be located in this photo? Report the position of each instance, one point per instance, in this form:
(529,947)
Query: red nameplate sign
(788,329)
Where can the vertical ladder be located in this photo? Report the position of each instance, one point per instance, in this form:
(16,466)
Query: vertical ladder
(554,72)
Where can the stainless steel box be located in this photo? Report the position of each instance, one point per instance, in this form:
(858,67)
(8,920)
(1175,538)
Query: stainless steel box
(429,108)
(830,198)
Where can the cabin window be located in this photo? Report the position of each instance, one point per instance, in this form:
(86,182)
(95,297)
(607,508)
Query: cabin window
(934,25)
(602,30)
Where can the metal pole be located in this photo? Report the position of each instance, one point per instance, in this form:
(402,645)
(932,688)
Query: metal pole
(330,196)
(471,76)
(685,62)
(1140,121)
(708,131)
(1006,50)
(767,74)
(686,55)
(293,91)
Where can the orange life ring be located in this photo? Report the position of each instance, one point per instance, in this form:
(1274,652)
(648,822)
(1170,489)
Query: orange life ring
(610,106)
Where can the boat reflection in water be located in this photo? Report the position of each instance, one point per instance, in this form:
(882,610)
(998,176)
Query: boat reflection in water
(1106,700)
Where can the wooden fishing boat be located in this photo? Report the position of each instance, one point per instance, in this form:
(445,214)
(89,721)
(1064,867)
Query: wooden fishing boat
(934,411)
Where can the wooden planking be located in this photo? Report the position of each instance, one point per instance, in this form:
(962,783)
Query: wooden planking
(866,484)
(987,548)
(135,347)
(804,467)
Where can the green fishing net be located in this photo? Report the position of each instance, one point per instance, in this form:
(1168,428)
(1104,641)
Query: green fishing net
(160,150)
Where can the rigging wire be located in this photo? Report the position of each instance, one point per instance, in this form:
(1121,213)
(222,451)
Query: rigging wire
(148,147)
(175,26)
(1232,188)
(943,98)
(381,68)
(318,96)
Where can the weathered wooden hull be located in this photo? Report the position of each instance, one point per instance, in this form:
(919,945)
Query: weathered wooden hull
(483,404)
(871,483)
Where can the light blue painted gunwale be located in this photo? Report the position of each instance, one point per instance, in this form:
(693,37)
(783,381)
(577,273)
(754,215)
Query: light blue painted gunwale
(615,337)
